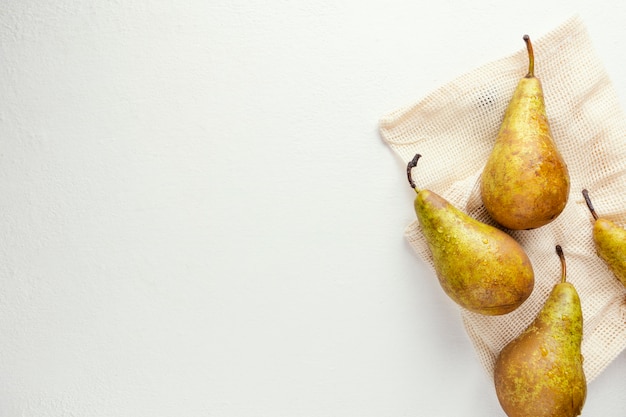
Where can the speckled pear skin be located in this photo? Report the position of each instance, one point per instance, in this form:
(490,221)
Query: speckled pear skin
(610,241)
(479,266)
(540,373)
(525,182)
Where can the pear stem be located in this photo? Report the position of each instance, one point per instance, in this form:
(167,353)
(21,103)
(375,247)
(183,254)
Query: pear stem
(412,164)
(559,251)
(588,201)
(531,57)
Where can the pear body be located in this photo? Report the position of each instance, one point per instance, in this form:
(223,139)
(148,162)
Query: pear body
(479,266)
(525,182)
(610,242)
(540,373)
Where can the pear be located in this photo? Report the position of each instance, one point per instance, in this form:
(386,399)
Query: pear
(610,242)
(540,373)
(478,266)
(525,182)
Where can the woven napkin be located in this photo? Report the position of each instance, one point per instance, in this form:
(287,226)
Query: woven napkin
(454,128)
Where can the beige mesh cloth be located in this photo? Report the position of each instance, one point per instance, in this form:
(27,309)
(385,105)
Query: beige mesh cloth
(454,129)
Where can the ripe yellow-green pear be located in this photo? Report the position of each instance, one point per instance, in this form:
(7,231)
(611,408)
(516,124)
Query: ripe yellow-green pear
(478,266)
(610,242)
(525,182)
(540,373)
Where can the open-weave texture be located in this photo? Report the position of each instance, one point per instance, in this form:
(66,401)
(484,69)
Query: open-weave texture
(454,129)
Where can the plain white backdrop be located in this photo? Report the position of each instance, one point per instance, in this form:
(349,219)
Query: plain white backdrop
(199,217)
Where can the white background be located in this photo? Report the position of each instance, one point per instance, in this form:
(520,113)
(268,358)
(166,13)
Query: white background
(199,217)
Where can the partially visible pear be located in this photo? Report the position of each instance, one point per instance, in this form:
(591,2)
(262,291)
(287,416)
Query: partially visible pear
(610,241)
(540,373)
(479,266)
(525,182)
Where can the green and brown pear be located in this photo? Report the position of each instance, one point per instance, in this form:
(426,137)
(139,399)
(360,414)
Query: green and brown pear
(480,267)
(525,182)
(610,242)
(540,373)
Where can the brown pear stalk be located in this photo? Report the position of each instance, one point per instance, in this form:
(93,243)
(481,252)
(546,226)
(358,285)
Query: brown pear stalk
(525,183)
(610,242)
(540,373)
(479,266)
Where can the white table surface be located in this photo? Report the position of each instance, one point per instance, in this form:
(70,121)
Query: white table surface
(199,217)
